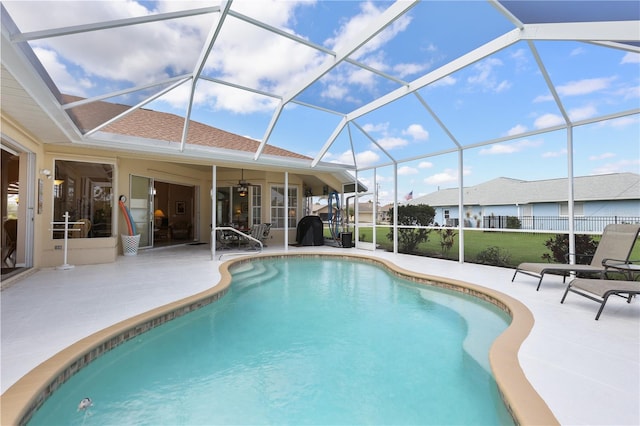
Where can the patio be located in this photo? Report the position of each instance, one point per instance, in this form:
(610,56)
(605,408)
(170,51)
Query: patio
(587,371)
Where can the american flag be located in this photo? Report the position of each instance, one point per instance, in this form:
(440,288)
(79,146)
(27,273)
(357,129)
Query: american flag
(409,196)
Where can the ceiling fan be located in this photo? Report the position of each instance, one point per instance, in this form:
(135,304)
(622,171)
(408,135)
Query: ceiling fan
(243,186)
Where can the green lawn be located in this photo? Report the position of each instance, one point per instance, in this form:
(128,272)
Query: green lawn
(514,247)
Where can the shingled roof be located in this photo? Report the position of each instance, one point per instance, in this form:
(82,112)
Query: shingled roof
(149,124)
(502,191)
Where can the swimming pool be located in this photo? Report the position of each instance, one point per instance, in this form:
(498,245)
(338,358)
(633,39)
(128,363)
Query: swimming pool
(301,341)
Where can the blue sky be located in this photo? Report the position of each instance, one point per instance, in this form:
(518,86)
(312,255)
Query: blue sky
(501,95)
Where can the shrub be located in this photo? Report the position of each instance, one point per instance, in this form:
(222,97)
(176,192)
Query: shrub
(513,222)
(412,215)
(447,238)
(494,255)
(559,246)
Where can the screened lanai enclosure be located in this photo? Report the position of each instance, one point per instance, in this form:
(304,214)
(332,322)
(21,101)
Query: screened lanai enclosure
(414,98)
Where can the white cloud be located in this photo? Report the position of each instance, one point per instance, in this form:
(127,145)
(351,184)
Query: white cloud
(444,81)
(629,92)
(417,132)
(406,171)
(389,142)
(516,130)
(621,166)
(543,98)
(579,87)
(577,51)
(370,53)
(630,58)
(553,154)
(382,178)
(425,165)
(548,120)
(511,147)
(602,156)
(485,76)
(66,82)
(404,70)
(585,86)
(366,158)
(447,176)
(585,112)
(354,27)
(623,122)
(376,128)
(334,91)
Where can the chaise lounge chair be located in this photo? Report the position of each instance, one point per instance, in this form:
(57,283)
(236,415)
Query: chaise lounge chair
(614,248)
(600,290)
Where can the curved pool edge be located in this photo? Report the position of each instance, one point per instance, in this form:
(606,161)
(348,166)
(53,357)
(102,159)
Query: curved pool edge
(23,398)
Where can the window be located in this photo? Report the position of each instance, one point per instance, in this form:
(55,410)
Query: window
(256,205)
(278,213)
(578,209)
(84,190)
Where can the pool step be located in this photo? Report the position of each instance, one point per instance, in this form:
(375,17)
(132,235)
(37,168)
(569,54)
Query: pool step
(259,272)
(483,325)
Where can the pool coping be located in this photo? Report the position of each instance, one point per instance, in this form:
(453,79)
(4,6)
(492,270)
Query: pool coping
(24,397)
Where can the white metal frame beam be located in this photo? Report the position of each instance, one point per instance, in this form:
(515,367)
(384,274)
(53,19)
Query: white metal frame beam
(583,31)
(451,67)
(106,25)
(200,63)
(389,16)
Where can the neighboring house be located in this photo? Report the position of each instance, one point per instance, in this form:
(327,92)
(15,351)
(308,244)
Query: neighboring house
(322,210)
(542,204)
(365,213)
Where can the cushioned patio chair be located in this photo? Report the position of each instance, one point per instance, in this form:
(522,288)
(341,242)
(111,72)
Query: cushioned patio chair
(265,234)
(614,248)
(600,290)
(81,229)
(257,232)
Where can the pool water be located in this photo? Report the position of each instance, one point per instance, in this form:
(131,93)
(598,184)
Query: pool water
(301,341)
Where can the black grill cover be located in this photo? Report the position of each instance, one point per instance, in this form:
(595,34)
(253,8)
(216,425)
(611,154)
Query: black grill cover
(309,231)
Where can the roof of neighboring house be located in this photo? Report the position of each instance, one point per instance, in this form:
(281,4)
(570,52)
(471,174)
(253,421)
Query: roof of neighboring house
(503,191)
(149,124)
(368,208)
(322,208)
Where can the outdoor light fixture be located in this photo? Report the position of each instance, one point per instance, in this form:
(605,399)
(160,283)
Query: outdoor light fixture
(243,191)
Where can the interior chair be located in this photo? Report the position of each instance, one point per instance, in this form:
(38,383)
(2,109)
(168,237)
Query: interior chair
(11,238)
(600,290)
(223,240)
(614,248)
(80,230)
(180,230)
